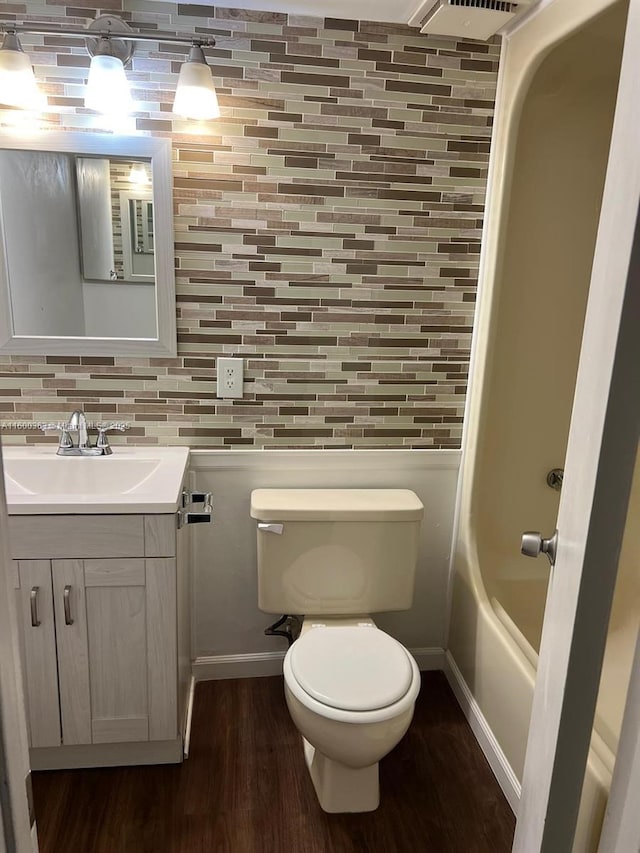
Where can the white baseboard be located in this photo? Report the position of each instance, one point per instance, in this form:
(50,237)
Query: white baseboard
(429,658)
(216,667)
(492,750)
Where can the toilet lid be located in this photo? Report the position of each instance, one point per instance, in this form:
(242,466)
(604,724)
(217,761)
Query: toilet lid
(351,668)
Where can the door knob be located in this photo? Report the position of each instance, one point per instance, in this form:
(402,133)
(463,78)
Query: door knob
(533,545)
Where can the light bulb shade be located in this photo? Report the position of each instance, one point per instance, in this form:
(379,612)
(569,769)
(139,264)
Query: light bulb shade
(18,87)
(195,93)
(139,175)
(107,87)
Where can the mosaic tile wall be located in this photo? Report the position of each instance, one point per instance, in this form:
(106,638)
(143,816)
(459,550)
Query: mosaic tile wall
(327,227)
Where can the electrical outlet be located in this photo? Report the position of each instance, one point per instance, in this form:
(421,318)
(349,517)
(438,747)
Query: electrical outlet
(230,377)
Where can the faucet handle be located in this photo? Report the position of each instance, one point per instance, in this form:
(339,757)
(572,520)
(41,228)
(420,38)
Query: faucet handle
(63,428)
(103,442)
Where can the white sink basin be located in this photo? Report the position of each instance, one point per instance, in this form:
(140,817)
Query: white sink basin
(131,480)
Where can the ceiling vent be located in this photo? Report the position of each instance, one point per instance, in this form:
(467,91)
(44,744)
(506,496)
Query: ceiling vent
(472,19)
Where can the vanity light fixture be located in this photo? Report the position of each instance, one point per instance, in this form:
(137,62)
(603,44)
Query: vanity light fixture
(18,87)
(110,42)
(196,96)
(107,87)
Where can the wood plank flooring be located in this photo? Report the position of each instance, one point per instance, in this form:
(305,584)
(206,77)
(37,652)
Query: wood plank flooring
(245,789)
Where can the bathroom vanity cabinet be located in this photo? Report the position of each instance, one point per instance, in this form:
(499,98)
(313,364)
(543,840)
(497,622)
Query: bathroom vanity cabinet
(104,613)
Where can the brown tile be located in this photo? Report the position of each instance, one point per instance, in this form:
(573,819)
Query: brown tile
(311,189)
(363,139)
(262,132)
(419,70)
(478,65)
(306,79)
(341,24)
(422,88)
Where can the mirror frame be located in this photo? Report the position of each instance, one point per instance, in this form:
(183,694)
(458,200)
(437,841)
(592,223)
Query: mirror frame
(158,151)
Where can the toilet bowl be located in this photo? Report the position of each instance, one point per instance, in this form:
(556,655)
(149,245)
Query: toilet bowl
(351,690)
(350,687)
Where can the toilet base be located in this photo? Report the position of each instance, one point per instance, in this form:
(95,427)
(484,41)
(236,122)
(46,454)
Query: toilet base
(342,789)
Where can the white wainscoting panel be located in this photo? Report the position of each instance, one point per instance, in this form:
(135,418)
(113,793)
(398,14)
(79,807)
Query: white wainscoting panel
(228,628)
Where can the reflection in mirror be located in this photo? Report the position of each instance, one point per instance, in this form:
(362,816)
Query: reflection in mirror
(78,244)
(136,215)
(116,219)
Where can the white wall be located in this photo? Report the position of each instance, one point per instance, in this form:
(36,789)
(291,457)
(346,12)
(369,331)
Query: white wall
(226,619)
(94,211)
(41,239)
(118,309)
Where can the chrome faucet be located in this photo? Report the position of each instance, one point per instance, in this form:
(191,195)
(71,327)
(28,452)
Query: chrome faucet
(78,423)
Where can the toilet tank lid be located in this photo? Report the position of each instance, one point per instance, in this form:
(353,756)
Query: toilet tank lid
(336,505)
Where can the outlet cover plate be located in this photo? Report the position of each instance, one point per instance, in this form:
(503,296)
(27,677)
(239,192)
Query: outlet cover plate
(230,378)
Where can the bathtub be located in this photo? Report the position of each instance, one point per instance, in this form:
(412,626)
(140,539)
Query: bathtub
(556,99)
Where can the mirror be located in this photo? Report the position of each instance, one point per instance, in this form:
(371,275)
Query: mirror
(114,206)
(82,271)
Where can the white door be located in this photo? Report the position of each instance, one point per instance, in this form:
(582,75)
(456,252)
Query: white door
(603,440)
(15,823)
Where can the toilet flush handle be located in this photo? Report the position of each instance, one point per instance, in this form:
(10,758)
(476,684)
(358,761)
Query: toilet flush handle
(271,528)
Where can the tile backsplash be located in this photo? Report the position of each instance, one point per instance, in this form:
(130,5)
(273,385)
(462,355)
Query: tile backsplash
(327,231)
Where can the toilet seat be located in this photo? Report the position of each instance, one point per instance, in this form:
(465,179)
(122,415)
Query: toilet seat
(347,716)
(351,668)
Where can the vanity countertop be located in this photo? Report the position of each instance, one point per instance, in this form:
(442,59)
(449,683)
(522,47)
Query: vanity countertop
(130,480)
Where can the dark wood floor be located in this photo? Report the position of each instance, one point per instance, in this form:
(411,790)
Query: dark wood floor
(245,789)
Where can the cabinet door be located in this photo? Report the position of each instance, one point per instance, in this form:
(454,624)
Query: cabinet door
(117,638)
(39,652)
(117,649)
(132,649)
(73,650)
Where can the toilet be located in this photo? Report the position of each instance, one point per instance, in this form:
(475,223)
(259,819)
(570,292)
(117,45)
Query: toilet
(335,556)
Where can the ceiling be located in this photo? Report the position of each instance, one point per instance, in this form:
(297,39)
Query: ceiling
(391,11)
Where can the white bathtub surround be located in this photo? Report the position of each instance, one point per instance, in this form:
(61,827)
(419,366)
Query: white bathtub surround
(531,268)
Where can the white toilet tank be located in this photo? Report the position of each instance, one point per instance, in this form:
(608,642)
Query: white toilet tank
(336,551)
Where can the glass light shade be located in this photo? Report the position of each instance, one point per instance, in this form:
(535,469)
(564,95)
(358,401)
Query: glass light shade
(139,175)
(18,87)
(107,87)
(195,93)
